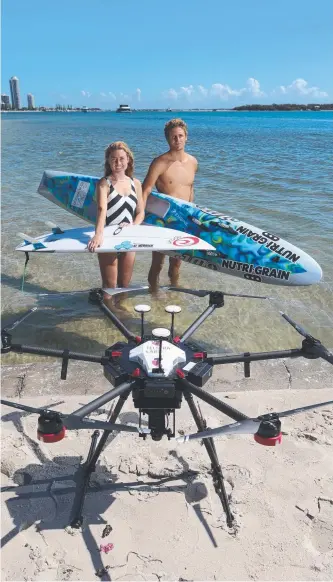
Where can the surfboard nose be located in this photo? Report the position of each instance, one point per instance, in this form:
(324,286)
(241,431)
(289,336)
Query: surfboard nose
(312,275)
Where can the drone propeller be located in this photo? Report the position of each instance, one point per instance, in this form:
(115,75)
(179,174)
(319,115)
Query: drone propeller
(250,425)
(20,319)
(315,345)
(73,421)
(296,326)
(205,292)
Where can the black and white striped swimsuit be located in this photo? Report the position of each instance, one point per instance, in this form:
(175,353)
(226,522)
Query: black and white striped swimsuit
(121,208)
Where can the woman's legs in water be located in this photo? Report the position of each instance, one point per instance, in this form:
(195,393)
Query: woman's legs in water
(108,264)
(125,268)
(125,271)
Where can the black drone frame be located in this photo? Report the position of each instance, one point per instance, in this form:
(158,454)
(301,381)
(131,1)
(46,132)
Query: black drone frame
(161,396)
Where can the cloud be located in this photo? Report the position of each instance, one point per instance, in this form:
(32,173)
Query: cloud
(225,91)
(138,94)
(254,87)
(251,91)
(102,94)
(85,93)
(301,87)
(187,90)
(112,95)
(171,94)
(202,90)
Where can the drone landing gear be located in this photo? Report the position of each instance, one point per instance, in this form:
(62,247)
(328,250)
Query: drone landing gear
(216,469)
(96,447)
(86,469)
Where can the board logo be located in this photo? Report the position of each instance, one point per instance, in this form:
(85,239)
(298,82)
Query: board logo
(183,241)
(80,194)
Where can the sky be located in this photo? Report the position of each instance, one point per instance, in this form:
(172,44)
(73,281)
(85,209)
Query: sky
(177,53)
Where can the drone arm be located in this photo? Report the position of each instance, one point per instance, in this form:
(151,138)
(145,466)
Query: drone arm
(97,297)
(252,357)
(23,348)
(213,401)
(199,321)
(326,355)
(103,399)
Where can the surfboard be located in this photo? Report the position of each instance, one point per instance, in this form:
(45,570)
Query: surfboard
(240,249)
(116,239)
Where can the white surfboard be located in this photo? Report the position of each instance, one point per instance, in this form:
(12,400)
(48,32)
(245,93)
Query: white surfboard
(117,239)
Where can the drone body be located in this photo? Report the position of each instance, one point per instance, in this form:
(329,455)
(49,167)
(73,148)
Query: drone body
(158,370)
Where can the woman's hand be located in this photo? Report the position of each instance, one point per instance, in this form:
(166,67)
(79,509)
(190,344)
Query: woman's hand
(95,242)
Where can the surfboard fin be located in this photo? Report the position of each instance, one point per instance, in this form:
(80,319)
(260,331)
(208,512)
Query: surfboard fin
(55,228)
(28,240)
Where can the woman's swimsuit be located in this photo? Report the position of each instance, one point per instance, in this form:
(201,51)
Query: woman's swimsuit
(121,208)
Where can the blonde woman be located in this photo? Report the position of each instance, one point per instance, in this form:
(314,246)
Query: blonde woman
(119,201)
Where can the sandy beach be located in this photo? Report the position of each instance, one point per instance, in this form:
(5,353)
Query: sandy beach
(165,519)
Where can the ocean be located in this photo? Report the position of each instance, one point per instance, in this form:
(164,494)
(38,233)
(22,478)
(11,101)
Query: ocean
(273,170)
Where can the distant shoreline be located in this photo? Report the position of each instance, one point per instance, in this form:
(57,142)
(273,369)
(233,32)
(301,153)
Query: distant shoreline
(242,108)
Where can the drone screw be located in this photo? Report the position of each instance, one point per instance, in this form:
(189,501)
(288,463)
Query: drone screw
(180,373)
(176,339)
(136,373)
(115,354)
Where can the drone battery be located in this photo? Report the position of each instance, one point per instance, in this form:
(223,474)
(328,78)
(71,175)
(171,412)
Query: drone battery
(200,374)
(115,374)
(159,388)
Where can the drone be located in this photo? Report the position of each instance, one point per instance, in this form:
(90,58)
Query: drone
(159,369)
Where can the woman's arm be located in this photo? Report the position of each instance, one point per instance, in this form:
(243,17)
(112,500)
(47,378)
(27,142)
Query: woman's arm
(102,190)
(140,209)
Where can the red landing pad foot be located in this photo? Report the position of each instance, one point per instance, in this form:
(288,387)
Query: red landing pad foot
(268,441)
(51,438)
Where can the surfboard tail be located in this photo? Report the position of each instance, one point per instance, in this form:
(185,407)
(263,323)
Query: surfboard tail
(28,240)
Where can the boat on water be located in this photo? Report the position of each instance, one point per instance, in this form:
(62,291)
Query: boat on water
(124,109)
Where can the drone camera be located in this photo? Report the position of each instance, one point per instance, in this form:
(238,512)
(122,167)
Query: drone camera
(157,422)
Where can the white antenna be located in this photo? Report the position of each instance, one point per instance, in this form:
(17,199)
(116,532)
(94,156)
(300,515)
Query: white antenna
(172,309)
(160,333)
(142,309)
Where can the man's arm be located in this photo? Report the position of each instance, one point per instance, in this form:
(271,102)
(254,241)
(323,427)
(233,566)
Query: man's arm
(192,187)
(150,180)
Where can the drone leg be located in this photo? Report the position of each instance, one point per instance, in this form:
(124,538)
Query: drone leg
(89,465)
(211,450)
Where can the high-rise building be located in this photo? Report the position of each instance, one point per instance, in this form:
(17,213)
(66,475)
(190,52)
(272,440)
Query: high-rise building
(15,92)
(5,103)
(31,101)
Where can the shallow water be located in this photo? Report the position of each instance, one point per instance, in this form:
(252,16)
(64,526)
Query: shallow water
(272,170)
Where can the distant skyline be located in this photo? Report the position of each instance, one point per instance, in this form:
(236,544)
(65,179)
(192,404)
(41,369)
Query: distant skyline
(97,53)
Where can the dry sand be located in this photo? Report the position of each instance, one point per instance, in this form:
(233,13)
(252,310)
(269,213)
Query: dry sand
(168,523)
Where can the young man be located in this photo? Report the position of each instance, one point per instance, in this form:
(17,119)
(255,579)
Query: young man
(171,173)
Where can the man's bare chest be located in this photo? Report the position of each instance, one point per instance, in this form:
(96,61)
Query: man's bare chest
(180,173)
